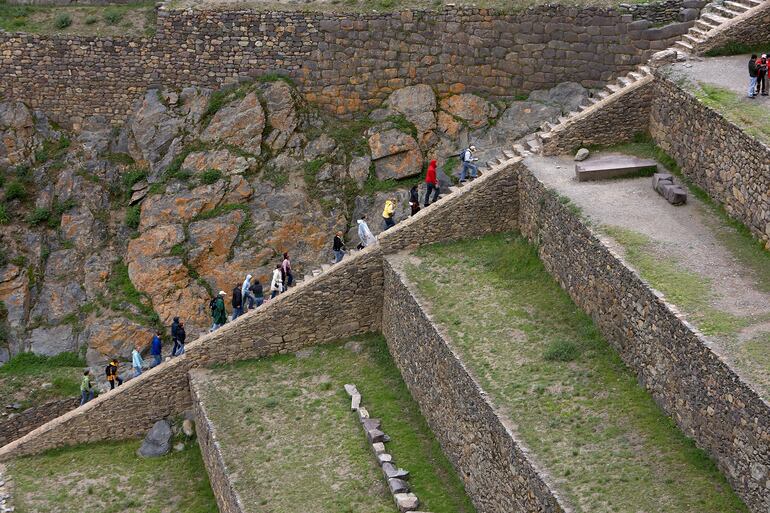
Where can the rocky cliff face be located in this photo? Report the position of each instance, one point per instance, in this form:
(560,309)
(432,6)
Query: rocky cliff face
(109,233)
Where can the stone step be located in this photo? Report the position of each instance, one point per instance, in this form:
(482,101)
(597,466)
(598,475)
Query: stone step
(625,81)
(683,46)
(317,272)
(612,166)
(636,75)
(724,12)
(325,267)
(644,70)
(691,40)
(509,154)
(546,127)
(695,31)
(613,88)
(750,3)
(736,7)
(534,146)
(713,19)
(703,26)
(602,94)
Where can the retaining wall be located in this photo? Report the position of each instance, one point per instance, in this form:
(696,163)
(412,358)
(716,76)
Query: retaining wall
(498,472)
(344,62)
(718,156)
(686,376)
(749,28)
(24,422)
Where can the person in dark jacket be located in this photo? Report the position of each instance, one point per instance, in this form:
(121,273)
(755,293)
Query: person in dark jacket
(257,291)
(175,336)
(414,200)
(288,277)
(218,311)
(112,373)
(753,76)
(181,336)
(156,348)
(338,247)
(237,302)
(431,181)
(762,65)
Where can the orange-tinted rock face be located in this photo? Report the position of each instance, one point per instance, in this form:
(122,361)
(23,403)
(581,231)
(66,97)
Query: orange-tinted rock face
(115,337)
(14,293)
(475,110)
(181,206)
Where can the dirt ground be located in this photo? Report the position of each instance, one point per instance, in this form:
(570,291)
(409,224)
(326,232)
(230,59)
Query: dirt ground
(729,72)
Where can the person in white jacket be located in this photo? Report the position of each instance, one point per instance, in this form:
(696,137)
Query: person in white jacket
(246,293)
(276,286)
(365,234)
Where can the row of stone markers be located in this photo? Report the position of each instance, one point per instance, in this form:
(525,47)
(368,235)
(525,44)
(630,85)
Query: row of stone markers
(396,477)
(5,493)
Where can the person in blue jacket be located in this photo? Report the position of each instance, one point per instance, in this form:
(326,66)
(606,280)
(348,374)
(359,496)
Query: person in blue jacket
(155,349)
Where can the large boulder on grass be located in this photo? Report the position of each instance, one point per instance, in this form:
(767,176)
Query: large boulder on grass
(158,440)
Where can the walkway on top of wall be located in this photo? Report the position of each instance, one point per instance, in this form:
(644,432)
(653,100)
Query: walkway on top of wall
(688,252)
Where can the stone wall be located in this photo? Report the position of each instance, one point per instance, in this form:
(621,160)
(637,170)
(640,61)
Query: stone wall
(340,61)
(661,13)
(227,497)
(22,423)
(684,373)
(613,120)
(499,473)
(718,156)
(749,28)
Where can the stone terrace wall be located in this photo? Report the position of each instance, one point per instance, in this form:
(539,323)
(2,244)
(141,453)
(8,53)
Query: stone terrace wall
(227,497)
(750,28)
(498,473)
(660,13)
(685,375)
(24,422)
(345,62)
(614,120)
(731,166)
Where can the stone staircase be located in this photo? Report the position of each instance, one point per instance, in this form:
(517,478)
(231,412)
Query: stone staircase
(716,16)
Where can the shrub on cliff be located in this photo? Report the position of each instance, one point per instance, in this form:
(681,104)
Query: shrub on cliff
(62,21)
(15,190)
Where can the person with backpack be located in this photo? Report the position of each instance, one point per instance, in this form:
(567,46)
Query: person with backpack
(753,76)
(156,349)
(218,311)
(246,294)
(365,235)
(414,200)
(181,335)
(338,247)
(237,302)
(136,361)
(288,277)
(467,159)
(431,181)
(175,337)
(255,289)
(762,65)
(86,388)
(388,212)
(112,373)
(277,283)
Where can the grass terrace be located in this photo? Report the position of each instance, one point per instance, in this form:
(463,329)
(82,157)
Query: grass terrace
(286,431)
(30,379)
(578,408)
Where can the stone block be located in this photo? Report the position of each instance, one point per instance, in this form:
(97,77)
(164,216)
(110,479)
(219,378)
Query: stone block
(657,178)
(398,486)
(378,448)
(406,502)
(674,194)
(375,435)
(384,458)
(355,402)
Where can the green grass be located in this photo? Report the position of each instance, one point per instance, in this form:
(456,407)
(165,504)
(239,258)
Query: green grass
(110,477)
(16,190)
(737,48)
(210,176)
(220,211)
(5,218)
(123,293)
(81,19)
(22,376)
(603,439)
(752,117)
(286,427)
(133,216)
(62,21)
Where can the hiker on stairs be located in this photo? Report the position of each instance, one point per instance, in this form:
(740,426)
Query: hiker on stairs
(365,235)
(431,181)
(468,160)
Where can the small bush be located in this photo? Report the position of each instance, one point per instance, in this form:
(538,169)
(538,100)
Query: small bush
(15,190)
(561,351)
(119,158)
(62,21)
(132,216)
(4,217)
(113,17)
(210,176)
(29,363)
(39,216)
(90,20)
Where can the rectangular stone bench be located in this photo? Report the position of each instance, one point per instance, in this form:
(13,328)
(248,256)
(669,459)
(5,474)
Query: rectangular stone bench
(613,166)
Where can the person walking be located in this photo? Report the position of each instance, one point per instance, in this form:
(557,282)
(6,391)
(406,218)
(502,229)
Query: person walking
(365,235)
(156,349)
(218,311)
(414,200)
(277,283)
(468,160)
(113,374)
(181,335)
(175,337)
(753,76)
(288,277)
(86,388)
(762,65)
(388,212)
(255,290)
(237,302)
(338,247)
(246,294)
(136,361)
(431,183)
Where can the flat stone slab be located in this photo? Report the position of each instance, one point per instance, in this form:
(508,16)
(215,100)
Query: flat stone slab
(612,166)
(406,502)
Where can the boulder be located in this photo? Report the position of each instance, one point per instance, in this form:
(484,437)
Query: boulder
(158,440)
(113,337)
(220,160)
(324,146)
(358,170)
(412,100)
(58,299)
(188,427)
(448,126)
(582,154)
(180,205)
(154,128)
(17,133)
(398,486)
(395,154)
(406,502)
(240,123)
(281,113)
(473,109)
(568,96)
(53,340)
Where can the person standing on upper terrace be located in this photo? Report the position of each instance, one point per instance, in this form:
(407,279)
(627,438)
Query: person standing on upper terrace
(753,76)
(762,65)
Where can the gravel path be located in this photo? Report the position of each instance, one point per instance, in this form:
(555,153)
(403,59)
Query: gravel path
(686,234)
(729,72)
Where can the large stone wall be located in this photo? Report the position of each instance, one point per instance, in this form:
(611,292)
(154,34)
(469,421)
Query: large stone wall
(22,423)
(498,472)
(717,155)
(341,61)
(686,376)
(615,119)
(749,28)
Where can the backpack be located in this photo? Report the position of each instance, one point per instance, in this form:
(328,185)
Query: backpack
(107,370)
(213,304)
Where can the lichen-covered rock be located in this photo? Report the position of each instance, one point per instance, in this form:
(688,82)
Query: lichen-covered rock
(14,293)
(395,154)
(475,110)
(180,205)
(358,170)
(52,341)
(158,440)
(113,337)
(154,128)
(17,131)
(281,113)
(219,160)
(412,100)
(240,123)
(323,146)
(568,96)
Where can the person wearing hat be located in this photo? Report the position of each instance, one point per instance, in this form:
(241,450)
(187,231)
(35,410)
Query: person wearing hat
(218,311)
(468,160)
(112,373)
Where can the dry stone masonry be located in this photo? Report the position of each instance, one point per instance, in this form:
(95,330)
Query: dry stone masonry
(19,424)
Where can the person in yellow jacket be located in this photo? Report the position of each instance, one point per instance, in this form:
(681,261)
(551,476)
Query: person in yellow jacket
(113,376)
(387,213)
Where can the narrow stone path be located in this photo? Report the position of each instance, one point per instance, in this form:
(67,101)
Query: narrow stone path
(689,237)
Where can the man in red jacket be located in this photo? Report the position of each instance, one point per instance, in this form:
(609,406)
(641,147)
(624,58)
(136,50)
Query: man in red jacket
(432,182)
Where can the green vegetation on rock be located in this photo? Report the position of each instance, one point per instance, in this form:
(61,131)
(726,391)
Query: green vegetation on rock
(605,442)
(110,477)
(738,48)
(285,426)
(22,377)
